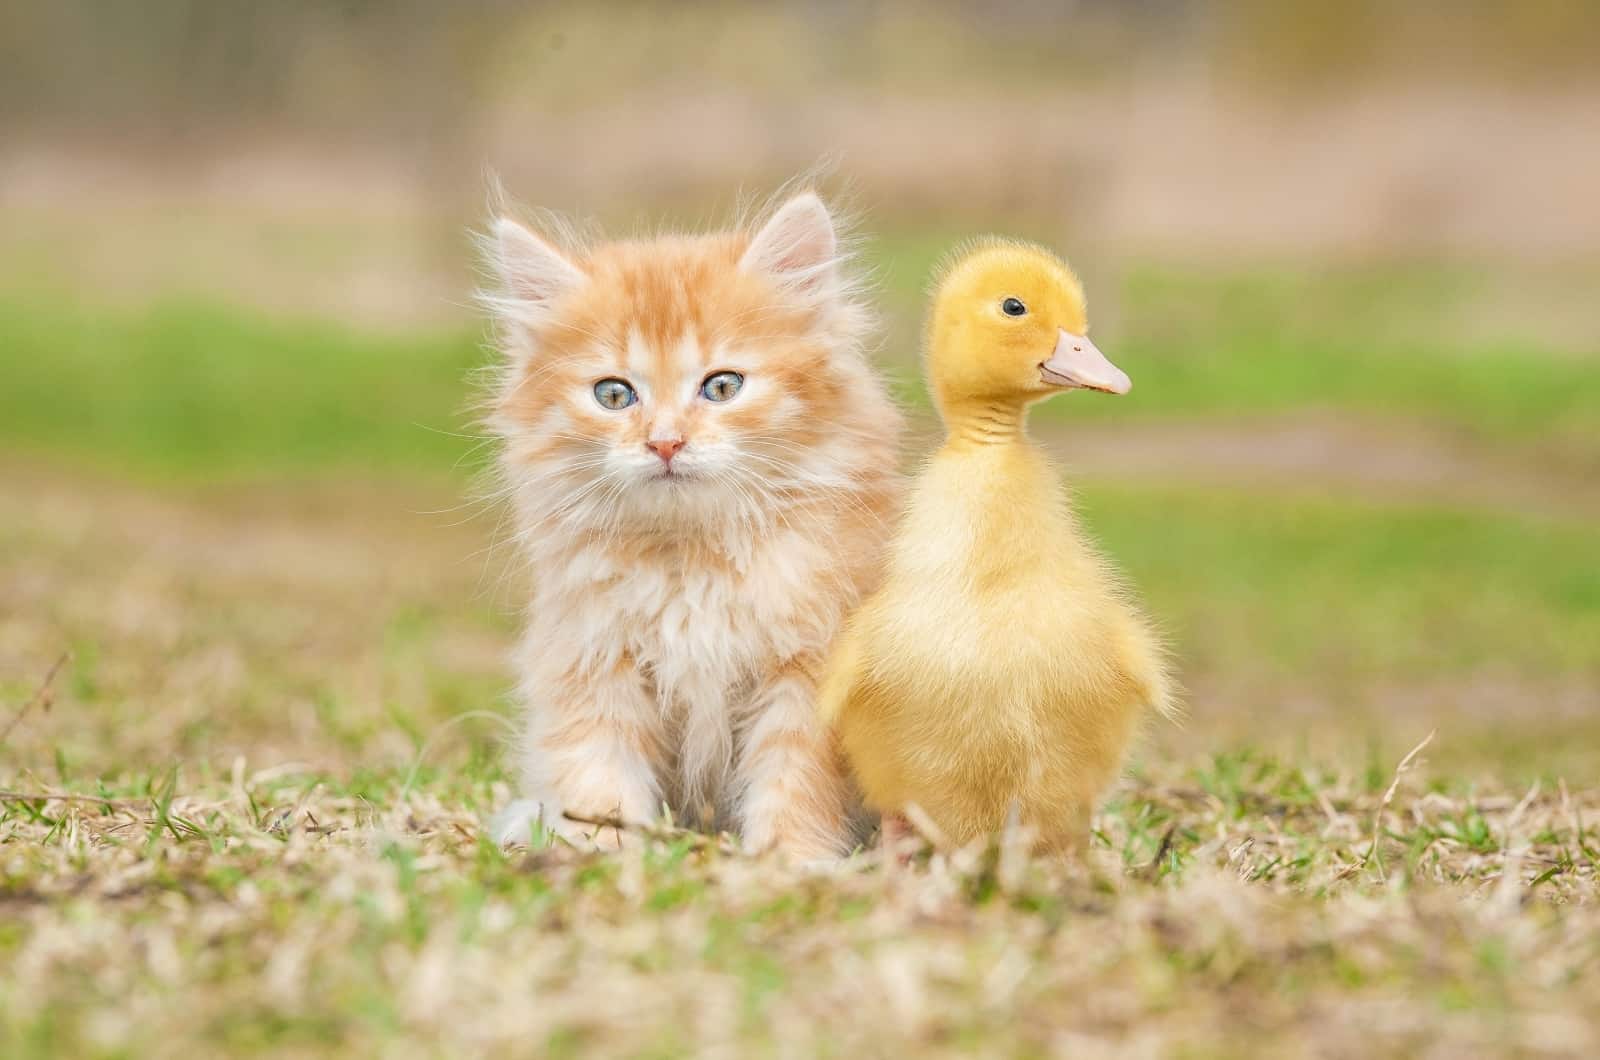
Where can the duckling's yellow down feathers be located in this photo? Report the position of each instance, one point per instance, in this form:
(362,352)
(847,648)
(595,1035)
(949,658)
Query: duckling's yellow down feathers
(1001,662)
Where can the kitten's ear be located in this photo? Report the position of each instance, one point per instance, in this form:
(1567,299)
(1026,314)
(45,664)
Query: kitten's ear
(797,247)
(532,273)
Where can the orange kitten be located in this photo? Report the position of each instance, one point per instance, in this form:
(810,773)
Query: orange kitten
(703,468)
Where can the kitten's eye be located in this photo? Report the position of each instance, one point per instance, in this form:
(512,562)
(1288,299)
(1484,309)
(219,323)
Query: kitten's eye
(721,386)
(614,394)
(1013,307)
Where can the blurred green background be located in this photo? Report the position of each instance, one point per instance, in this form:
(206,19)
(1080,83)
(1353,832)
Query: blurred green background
(1349,255)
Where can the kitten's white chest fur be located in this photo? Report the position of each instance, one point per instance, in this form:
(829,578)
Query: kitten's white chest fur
(698,631)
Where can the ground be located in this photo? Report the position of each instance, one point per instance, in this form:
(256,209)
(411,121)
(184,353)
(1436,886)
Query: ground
(253,702)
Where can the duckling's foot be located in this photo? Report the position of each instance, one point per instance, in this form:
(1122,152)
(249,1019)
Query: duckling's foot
(897,837)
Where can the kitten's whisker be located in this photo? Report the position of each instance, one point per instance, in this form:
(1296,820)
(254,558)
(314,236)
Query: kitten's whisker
(585,332)
(508,389)
(849,493)
(565,507)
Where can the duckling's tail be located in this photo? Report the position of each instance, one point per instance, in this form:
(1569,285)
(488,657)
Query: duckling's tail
(1164,697)
(1157,685)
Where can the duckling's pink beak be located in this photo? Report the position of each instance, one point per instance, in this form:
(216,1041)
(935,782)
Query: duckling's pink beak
(1077,363)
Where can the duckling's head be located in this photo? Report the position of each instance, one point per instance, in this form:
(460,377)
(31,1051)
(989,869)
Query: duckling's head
(1008,326)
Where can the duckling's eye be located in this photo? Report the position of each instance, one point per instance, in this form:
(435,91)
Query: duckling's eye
(721,386)
(614,394)
(1013,307)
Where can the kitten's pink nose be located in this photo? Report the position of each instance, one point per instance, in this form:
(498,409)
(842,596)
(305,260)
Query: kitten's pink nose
(665,448)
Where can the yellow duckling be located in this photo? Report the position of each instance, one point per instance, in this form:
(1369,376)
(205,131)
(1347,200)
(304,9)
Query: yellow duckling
(1001,663)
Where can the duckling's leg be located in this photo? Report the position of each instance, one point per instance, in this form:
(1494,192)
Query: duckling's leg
(898,837)
(795,790)
(1069,835)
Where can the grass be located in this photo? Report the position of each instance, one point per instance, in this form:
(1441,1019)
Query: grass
(1350,341)
(198,389)
(1435,589)
(192,390)
(1239,908)
(246,816)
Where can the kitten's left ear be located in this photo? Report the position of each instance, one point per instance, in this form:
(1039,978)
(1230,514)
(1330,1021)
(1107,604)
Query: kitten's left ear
(797,247)
(532,272)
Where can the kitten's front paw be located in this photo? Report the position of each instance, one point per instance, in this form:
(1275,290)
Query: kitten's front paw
(520,821)
(589,835)
(802,849)
(515,825)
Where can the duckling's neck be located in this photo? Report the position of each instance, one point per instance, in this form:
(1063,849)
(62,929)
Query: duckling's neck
(981,422)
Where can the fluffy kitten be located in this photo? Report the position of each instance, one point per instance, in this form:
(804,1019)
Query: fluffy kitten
(703,469)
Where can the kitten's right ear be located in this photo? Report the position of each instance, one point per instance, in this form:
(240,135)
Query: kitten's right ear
(798,248)
(533,274)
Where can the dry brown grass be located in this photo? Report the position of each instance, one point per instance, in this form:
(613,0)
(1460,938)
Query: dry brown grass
(286,911)
(247,816)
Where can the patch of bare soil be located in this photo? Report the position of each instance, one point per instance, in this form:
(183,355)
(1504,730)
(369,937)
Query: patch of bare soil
(367,594)
(288,621)
(1327,455)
